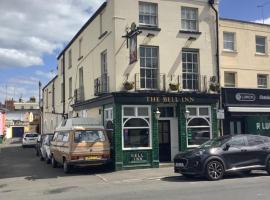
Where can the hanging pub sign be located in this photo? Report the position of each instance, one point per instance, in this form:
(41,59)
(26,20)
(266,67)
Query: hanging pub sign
(133,54)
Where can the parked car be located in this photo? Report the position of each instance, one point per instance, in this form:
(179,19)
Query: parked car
(29,139)
(38,145)
(79,142)
(45,152)
(216,157)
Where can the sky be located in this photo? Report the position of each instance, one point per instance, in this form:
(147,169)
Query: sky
(33,33)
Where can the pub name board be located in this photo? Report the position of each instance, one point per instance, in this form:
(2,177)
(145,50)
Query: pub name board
(158,99)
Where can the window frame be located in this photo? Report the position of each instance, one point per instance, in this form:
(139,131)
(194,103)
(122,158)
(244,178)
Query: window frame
(235,80)
(260,45)
(70,58)
(80,47)
(260,85)
(127,118)
(233,34)
(70,88)
(189,20)
(148,14)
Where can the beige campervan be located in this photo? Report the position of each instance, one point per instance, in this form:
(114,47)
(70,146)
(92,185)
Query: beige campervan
(79,142)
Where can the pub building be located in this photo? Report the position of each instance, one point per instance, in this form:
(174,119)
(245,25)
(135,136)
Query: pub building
(247,111)
(148,75)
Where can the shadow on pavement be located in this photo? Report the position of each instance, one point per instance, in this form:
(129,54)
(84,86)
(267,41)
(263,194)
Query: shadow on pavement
(16,161)
(200,179)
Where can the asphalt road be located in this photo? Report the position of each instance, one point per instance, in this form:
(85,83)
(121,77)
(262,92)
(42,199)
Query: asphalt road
(24,176)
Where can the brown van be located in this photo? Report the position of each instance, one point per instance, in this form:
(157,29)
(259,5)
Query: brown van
(79,142)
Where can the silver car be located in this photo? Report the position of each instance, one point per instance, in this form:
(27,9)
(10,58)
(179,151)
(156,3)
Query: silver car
(45,148)
(29,139)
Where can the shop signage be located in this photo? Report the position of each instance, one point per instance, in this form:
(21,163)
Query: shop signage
(156,99)
(258,125)
(245,97)
(138,157)
(248,97)
(220,114)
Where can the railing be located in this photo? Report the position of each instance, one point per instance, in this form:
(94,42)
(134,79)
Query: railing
(177,83)
(79,94)
(155,82)
(101,85)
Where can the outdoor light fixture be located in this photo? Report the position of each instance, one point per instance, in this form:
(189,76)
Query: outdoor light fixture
(150,35)
(192,39)
(157,114)
(187,112)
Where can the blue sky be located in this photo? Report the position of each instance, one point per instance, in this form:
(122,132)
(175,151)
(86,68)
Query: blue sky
(42,45)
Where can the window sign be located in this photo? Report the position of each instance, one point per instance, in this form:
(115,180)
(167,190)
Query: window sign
(133,54)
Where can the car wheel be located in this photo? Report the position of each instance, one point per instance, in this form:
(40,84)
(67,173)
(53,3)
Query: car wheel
(54,163)
(66,167)
(214,170)
(268,166)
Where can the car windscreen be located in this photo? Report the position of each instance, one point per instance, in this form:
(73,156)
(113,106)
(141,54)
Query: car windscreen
(89,136)
(218,142)
(31,135)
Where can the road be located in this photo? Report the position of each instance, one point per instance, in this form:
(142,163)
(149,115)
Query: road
(24,176)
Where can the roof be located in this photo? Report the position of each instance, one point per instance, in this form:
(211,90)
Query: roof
(245,22)
(100,9)
(79,123)
(49,82)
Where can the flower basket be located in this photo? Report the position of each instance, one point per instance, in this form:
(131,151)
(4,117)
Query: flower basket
(174,87)
(214,87)
(128,85)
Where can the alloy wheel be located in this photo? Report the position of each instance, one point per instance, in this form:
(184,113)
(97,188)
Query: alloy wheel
(215,170)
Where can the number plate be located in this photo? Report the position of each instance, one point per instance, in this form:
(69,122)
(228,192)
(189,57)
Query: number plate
(92,158)
(179,165)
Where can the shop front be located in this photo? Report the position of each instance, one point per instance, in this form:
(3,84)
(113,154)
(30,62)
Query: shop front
(149,128)
(247,111)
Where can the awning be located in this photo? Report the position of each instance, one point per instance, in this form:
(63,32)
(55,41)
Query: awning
(249,109)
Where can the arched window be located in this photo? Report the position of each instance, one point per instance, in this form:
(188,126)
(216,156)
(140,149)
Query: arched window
(198,125)
(136,129)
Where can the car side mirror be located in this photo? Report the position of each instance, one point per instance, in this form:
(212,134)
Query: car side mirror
(227,147)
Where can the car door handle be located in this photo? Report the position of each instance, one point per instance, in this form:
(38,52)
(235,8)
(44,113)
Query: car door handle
(265,148)
(244,150)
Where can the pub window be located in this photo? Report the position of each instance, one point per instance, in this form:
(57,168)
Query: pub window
(198,125)
(230,79)
(189,19)
(190,69)
(260,44)
(136,129)
(148,14)
(262,80)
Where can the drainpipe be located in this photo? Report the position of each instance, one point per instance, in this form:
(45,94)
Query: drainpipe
(211,3)
(64,86)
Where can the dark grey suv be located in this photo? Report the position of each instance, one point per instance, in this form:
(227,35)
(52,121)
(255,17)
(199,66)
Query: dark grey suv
(225,154)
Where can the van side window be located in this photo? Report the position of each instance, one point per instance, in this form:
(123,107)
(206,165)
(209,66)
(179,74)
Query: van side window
(60,137)
(65,137)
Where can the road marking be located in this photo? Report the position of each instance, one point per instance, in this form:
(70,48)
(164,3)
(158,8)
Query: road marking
(102,178)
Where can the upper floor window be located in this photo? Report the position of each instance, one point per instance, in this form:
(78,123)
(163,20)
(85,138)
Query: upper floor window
(262,80)
(189,18)
(148,14)
(230,79)
(62,66)
(62,92)
(69,58)
(80,47)
(261,44)
(229,41)
(70,87)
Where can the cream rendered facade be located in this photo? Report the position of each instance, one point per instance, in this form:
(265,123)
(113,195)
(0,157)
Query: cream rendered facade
(106,34)
(243,60)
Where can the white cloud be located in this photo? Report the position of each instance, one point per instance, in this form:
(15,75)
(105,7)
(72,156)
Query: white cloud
(266,21)
(31,28)
(47,75)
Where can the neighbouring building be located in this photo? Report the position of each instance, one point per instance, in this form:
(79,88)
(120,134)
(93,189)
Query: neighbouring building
(245,75)
(131,60)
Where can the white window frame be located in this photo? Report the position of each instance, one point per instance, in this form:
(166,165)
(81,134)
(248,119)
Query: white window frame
(137,117)
(202,117)
(260,85)
(265,45)
(235,79)
(110,114)
(233,41)
(70,88)
(149,14)
(70,59)
(189,20)
(80,47)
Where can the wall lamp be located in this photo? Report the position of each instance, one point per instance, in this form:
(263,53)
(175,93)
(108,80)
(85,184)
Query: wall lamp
(150,35)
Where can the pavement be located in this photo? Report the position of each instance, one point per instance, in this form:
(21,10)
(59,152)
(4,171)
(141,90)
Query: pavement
(24,176)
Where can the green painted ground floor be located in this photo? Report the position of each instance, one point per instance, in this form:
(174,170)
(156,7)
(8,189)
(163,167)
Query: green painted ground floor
(147,129)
